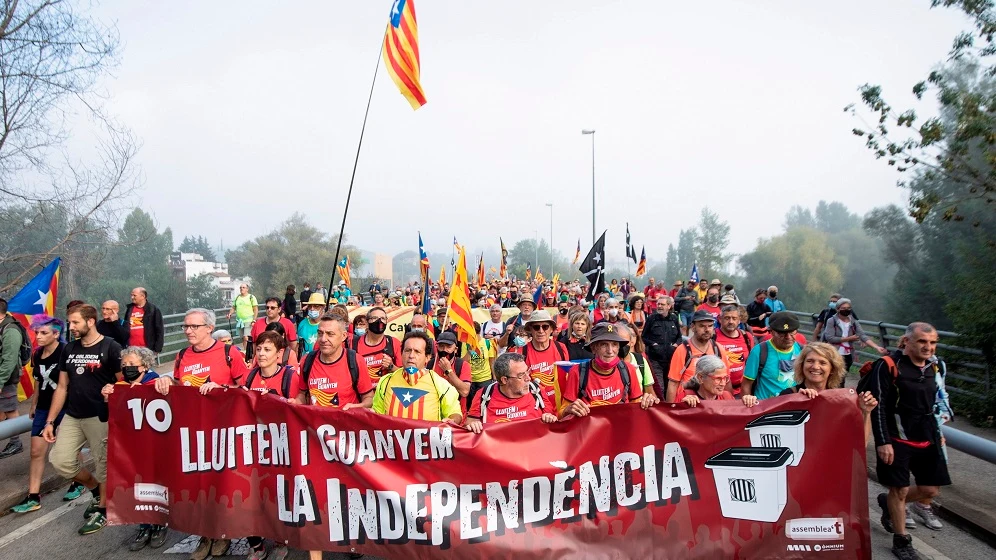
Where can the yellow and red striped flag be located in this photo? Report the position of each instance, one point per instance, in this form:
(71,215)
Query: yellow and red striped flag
(480,271)
(503,273)
(400,52)
(458,305)
(641,268)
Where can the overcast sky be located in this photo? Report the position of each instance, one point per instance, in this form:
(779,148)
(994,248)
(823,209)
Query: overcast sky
(251,110)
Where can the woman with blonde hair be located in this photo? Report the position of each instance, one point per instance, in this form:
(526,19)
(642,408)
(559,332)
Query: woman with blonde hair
(577,334)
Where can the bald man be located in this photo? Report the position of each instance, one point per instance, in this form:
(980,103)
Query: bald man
(112,326)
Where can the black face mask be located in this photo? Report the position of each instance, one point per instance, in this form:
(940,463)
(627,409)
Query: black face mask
(563,311)
(844,313)
(130,373)
(447,355)
(713,299)
(377,327)
(772,294)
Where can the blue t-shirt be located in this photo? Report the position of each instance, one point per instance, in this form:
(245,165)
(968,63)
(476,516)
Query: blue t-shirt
(308,334)
(779,370)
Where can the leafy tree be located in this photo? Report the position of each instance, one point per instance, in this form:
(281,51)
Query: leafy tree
(686,252)
(198,245)
(801,262)
(526,251)
(671,270)
(712,236)
(202,292)
(293,253)
(799,217)
(834,217)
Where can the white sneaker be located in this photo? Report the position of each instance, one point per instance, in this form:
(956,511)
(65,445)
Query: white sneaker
(925,514)
(910,522)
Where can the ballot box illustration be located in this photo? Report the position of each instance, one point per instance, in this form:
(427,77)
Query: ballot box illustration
(750,482)
(781,429)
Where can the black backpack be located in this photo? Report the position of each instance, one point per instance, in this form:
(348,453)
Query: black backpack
(24,352)
(228,355)
(285,383)
(354,369)
(715,348)
(585,367)
(388,345)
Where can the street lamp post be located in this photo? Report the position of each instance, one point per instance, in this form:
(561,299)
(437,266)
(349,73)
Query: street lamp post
(550,204)
(536,250)
(592,133)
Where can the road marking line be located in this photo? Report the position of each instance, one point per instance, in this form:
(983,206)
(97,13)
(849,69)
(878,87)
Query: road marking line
(926,549)
(40,522)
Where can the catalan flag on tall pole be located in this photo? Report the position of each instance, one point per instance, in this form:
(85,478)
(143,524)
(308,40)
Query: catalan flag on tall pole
(36,297)
(458,305)
(423,264)
(641,268)
(577,252)
(442,274)
(344,271)
(503,272)
(529,272)
(400,52)
(480,272)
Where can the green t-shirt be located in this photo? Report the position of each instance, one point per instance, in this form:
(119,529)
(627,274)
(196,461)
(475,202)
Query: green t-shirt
(246,307)
(646,376)
(307,333)
(480,364)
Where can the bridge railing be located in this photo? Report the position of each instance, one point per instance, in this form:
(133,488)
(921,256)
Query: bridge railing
(174,339)
(968,374)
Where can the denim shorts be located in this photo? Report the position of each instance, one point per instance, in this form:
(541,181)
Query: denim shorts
(41,417)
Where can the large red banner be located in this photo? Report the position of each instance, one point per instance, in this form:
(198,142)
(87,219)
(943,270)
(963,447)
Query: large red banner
(784,479)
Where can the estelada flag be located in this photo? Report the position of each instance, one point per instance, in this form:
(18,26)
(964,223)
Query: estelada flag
(36,297)
(400,52)
(344,271)
(480,272)
(458,306)
(641,268)
(577,252)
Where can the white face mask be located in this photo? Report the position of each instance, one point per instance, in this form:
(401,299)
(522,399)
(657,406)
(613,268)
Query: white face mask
(613,312)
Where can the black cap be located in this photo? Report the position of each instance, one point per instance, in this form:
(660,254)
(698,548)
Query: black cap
(447,338)
(783,322)
(702,315)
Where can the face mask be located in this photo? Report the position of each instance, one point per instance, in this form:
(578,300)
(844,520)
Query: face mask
(130,373)
(713,299)
(313,314)
(360,331)
(377,327)
(772,295)
(832,305)
(613,312)
(623,351)
(417,329)
(519,341)
(606,366)
(844,313)
(563,311)
(447,355)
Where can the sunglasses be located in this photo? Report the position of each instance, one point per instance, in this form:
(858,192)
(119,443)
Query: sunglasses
(273,307)
(541,327)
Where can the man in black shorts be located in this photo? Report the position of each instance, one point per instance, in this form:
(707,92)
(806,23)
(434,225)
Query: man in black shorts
(907,437)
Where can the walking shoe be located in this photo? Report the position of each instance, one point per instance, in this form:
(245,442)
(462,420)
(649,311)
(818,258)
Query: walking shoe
(203,549)
(91,508)
(13,447)
(910,522)
(279,552)
(95,523)
(220,546)
(926,516)
(902,547)
(75,491)
(158,538)
(883,502)
(29,504)
(141,538)
(257,553)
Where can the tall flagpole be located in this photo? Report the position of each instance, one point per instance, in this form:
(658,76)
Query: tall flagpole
(356,162)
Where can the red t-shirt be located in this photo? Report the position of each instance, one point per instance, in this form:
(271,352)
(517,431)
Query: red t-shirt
(275,383)
(260,325)
(736,354)
(463,374)
(195,368)
(604,389)
(371,356)
(714,311)
(331,385)
(724,396)
(504,409)
(136,326)
(541,364)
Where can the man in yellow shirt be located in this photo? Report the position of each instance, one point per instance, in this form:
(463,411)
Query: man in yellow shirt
(414,392)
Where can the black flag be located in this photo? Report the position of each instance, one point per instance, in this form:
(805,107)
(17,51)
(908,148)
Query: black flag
(630,251)
(592,267)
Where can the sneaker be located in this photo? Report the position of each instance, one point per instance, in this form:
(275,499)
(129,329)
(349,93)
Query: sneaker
(926,516)
(883,502)
(75,491)
(279,552)
(257,553)
(29,504)
(91,508)
(95,523)
(220,546)
(902,547)
(910,522)
(158,538)
(141,539)
(203,549)
(13,448)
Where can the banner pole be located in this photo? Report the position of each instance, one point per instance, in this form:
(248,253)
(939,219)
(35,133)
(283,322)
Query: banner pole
(352,178)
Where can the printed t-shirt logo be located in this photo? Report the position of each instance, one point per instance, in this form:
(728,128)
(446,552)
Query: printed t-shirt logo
(408,396)
(324,393)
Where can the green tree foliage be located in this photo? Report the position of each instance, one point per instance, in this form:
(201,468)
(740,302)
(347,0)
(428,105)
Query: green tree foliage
(712,236)
(686,252)
(671,270)
(799,217)
(526,251)
(800,262)
(198,245)
(293,253)
(201,292)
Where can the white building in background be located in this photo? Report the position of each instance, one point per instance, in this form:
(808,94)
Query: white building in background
(188,265)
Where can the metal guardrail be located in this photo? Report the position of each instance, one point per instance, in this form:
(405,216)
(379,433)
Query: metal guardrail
(174,339)
(967,374)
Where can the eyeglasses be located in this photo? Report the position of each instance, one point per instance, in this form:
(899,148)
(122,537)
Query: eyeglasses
(191,327)
(541,327)
(273,307)
(723,379)
(521,377)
